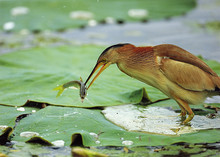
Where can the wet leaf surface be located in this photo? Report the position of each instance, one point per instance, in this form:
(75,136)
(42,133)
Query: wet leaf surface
(11,115)
(64,123)
(27,78)
(68,14)
(33,74)
(157,120)
(30,79)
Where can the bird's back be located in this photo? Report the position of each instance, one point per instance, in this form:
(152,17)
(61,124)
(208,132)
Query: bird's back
(186,70)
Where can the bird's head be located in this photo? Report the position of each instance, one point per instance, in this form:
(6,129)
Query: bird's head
(109,56)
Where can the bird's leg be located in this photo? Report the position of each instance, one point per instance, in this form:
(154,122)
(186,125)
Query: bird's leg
(190,113)
(183,111)
(186,108)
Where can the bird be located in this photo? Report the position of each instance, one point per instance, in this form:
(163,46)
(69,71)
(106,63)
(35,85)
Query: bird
(174,71)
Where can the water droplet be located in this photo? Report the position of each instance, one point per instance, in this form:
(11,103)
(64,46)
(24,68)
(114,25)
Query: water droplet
(138,13)
(93,134)
(2,127)
(92,23)
(58,143)
(97,142)
(110,20)
(21,109)
(8,26)
(80,14)
(127,143)
(28,134)
(20,10)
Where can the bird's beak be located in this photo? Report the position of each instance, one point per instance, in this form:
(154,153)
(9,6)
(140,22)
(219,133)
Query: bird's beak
(104,66)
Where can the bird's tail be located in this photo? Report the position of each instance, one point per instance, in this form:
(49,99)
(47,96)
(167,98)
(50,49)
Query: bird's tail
(60,90)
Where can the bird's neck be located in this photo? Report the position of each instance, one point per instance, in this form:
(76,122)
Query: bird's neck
(138,59)
(139,64)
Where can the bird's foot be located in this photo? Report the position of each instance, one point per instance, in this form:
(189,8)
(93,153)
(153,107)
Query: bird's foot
(182,114)
(190,117)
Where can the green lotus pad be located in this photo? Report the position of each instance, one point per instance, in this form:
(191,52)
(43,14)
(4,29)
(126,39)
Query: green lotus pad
(33,74)
(9,118)
(62,123)
(58,15)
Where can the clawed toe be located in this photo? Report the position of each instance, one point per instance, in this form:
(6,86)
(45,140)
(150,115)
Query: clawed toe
(190,117)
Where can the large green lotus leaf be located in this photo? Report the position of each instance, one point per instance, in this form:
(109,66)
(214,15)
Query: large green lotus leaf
(9,114)
(55,14)
(10,117)
(61,123)
(33,74)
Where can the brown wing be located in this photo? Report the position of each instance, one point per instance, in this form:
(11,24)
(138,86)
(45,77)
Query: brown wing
(179,54)
(186,75)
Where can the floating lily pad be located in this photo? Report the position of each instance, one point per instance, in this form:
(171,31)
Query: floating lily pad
(8,115)
(61,123)
(9,119)
(33,74)
(59,15)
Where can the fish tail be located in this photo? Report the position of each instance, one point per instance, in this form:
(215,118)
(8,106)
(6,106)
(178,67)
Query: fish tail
(81,79)
(60,90)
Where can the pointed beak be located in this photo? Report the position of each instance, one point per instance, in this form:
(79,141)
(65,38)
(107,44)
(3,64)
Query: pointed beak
(104,66)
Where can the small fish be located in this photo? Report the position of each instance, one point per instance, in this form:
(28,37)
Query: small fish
(77,84)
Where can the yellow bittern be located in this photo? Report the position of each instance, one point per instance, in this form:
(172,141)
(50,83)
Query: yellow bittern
(174,71)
